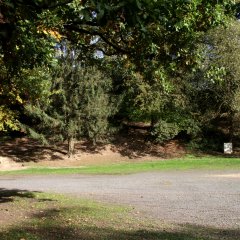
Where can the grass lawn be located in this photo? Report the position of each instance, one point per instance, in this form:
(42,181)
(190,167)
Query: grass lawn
(186,163)
(41,216)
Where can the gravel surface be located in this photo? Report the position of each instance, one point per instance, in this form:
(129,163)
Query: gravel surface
(207,198)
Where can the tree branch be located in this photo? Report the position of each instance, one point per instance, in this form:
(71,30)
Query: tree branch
(46,5)
(58,4)
(101,35)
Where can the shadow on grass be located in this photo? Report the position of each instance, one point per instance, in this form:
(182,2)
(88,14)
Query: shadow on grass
(100,233)
(51,225)
(7,195)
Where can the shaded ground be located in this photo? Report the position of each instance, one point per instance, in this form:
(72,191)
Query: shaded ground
(10,211)
(133,147)
(44,216)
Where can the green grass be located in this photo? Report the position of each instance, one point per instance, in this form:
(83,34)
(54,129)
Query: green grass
(41,216)
(187,163)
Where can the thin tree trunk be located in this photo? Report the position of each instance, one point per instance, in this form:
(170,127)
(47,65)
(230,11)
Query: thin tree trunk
(154,120)
(71,143)
(94,141)
(231,127)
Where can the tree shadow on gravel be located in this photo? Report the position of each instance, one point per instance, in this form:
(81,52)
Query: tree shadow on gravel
(49,225)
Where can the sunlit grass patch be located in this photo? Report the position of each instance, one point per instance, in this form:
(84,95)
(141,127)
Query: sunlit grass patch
(186,163)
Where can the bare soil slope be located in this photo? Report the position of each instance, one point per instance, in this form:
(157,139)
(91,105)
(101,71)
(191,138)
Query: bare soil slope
(23,152)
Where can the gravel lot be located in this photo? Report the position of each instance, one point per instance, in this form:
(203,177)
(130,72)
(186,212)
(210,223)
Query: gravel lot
(207,198)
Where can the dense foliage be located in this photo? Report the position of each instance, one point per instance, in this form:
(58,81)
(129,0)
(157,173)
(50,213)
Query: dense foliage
(161,62)
(215,88)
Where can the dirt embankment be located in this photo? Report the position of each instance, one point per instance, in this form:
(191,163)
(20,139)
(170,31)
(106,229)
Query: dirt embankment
(24,152)
(8,163)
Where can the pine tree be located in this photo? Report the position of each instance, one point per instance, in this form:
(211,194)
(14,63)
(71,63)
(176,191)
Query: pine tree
(79,105)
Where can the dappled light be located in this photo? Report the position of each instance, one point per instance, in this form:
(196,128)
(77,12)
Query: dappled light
(53,224)
(25,150)
(128,102)
(131,146)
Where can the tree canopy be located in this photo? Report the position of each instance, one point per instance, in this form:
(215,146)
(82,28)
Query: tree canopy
(149,49)
(157,30)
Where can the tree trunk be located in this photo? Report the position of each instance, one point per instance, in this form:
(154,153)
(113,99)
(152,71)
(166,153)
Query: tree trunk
(71,143)
(154,121)
(94,141)
(231,127)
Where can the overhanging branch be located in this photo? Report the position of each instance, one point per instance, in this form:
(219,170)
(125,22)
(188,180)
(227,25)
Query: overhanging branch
(101,35)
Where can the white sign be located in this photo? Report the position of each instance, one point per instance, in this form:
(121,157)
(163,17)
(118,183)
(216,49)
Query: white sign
(228,148)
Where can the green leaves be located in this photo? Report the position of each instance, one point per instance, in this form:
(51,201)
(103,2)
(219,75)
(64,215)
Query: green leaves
(8,119)
(154,40)
(76,104)
(215,74)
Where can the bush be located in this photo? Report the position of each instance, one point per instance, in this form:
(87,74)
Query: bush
(164,131)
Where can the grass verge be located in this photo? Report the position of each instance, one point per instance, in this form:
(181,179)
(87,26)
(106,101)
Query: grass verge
(187,163)
(41,216)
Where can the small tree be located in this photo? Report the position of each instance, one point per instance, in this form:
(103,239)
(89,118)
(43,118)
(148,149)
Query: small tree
(79,105)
